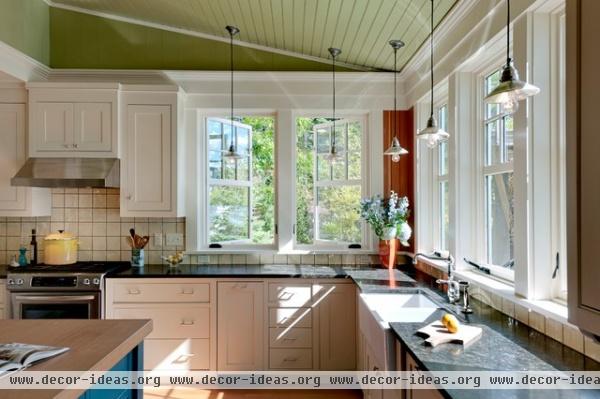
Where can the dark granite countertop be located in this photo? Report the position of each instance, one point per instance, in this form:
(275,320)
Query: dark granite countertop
(506,344)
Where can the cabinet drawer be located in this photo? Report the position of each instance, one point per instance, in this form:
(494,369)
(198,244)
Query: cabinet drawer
(153,292)
(290,337)
(172,321)
(290,358)
(290,295)
(176,354)
(290,317)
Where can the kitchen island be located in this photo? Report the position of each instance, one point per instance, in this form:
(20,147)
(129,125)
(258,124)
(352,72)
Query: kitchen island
(93,345)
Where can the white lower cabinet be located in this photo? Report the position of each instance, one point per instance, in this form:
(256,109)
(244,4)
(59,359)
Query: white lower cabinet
(336,309)
(240,326)
(405,362)
(183,319)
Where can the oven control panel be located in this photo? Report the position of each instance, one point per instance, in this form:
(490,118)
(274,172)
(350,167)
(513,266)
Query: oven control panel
(53,282)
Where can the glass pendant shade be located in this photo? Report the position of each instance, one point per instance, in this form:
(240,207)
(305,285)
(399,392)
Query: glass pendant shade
(395,150)
(510,90)
(231,155)
(432,134)
(334,156)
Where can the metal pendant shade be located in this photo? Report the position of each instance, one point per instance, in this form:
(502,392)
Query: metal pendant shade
(432,134)
(231,154)
(395,150)
(334,154)
(510,89)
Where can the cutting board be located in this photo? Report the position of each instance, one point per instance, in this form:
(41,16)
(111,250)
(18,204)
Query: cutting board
(438,334)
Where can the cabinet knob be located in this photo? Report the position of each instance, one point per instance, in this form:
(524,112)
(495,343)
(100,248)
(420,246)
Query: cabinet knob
(74,145)
(128,197)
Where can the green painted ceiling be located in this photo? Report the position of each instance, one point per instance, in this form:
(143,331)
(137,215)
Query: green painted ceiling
(361,28)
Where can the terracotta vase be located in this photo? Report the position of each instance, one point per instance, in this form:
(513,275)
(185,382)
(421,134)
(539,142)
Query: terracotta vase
(387,252)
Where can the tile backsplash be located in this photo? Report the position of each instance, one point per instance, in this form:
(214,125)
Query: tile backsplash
(93,216)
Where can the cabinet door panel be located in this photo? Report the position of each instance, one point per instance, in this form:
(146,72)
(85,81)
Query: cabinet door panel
(52,127)
(337,326)
(12,155)
(148,158)
(93,129)
(176,354)
(240,324)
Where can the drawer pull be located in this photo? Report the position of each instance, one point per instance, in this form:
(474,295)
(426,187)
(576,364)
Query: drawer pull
(183,358)
(134,291)
(285,296)
(187,322)
(187,292)
(289,339)
(375,368)
(290,359)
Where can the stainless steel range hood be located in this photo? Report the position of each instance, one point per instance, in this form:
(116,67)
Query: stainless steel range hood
(68,172)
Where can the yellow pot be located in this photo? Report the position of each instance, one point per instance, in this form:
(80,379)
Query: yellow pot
(60,249)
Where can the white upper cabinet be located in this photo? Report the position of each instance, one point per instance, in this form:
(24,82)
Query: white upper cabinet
(150,164)
(17,201)
(73,122)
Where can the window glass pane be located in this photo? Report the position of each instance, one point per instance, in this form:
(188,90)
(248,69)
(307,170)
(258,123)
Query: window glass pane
(444,215)
(443,158)
(354,165)
(499,200)
(242,169)
(242,138)
(228,213)
(338,217)
(354,136)
(337,207)
(323,136)
(509,139)
(491,81)
(214,164)
(493,142)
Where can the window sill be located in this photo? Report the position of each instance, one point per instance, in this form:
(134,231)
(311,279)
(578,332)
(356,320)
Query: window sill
(549,308)
(224,251)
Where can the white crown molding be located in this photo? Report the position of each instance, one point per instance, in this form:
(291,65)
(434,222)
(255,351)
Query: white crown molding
(278,76)
(202,35)
(20,65)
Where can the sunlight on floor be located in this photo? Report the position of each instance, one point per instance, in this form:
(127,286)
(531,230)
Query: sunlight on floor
(190,393)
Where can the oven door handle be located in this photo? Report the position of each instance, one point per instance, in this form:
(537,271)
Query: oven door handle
(61,298)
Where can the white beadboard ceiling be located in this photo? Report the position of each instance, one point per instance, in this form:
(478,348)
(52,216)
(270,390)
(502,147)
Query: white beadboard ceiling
(361,28)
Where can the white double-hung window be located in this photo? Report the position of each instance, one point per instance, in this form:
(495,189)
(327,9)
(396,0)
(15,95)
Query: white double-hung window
(328,195)
(241,192)
(498,185)
(442,221)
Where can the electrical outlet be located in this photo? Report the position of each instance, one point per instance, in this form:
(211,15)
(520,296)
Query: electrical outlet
(174,240)
(158,240)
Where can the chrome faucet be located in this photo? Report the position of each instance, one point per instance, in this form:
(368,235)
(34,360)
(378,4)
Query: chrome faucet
(453,287)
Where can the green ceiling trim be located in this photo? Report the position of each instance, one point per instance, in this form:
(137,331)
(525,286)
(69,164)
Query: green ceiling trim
(24,25)
(85,41)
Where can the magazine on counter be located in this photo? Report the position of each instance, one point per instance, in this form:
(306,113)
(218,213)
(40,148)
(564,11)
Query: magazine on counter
(17,356)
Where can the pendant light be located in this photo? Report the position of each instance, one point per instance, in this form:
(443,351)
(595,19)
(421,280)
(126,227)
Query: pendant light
(231,154)
(432,133)
(511,89)
(334,155)
(395,150)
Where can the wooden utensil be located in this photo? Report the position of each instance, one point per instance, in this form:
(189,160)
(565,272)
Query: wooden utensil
(130,242)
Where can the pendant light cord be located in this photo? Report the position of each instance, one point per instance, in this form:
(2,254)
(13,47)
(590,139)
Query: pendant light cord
(395,73)
(333,71)
(431,59)
(231,69)
(508,60)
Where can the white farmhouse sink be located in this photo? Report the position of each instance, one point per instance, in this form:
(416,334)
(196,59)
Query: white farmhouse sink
(376,311)
(401,308)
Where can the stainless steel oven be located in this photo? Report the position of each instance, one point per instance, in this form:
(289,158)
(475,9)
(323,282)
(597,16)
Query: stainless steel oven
(59,292)
(56,305)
